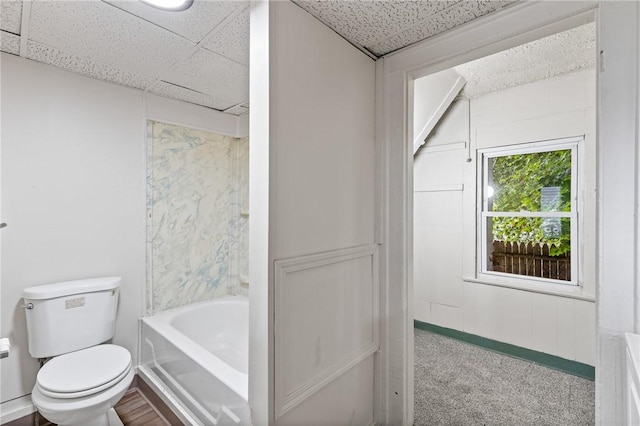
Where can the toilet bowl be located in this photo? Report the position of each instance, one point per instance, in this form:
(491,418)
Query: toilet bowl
(81,387)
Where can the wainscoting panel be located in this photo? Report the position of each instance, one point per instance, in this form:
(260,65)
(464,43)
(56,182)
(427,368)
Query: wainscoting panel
(326,320)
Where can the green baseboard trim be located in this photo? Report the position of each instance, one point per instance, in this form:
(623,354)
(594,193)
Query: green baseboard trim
(571,367)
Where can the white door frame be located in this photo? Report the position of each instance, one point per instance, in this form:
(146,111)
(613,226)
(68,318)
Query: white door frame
(616,211)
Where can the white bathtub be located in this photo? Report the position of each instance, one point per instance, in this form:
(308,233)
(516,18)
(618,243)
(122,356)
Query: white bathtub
(200,354)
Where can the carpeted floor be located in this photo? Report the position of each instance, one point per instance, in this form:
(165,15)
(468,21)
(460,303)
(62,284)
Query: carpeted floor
(461,384)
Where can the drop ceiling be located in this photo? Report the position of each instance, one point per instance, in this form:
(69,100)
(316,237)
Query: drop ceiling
(201,55)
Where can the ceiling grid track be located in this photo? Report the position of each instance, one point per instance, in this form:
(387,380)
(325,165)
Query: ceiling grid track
(198,46)
(24,27)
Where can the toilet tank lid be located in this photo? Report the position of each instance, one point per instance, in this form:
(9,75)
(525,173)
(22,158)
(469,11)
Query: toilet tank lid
(68,288)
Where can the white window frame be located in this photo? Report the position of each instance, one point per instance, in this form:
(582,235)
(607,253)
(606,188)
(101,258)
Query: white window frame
(575,144)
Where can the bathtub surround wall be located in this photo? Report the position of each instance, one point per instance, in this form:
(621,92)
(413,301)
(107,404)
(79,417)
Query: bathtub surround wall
(238,270)
(73,191)
(194,201)
(239,219)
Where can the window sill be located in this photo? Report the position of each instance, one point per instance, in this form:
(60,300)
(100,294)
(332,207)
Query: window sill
(559,290)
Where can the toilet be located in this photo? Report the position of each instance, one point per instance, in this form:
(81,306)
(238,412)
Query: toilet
(70,322)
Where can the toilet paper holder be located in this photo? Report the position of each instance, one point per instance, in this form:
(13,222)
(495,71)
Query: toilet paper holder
(5,347)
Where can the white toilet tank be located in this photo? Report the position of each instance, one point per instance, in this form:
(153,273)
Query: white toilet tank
(69,316)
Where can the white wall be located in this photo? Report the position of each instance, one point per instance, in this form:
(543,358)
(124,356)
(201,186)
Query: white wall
(73,189)
(321,150)
(446,291)
(73,192)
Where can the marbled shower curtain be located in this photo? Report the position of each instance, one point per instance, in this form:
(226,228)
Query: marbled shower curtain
(197,224)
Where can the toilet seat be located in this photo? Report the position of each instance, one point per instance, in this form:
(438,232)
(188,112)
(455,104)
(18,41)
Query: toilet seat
(84,372)
(81,411)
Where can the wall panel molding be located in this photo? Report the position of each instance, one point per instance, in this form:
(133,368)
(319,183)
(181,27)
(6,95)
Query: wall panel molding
(327,349)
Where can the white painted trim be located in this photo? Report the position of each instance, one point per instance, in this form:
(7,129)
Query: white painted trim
(439,188)
(490,34)
(617,204)
(261,388)
(180,113)
(438,113)
(16,408)
(485,214)
(442,148)
(287,401)
(533,147)
(381,358)
(504,29)
(567,291)
(637,324)
(396,390)
(301,263)
(306,390)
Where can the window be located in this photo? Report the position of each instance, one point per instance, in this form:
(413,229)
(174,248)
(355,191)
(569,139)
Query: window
(529,211)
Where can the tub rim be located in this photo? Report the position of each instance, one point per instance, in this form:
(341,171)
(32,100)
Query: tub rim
(236,380)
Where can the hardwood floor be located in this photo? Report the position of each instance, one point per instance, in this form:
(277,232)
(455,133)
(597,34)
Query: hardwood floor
(139,406)
(134,409)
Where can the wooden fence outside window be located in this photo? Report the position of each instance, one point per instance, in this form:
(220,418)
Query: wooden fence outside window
(531,260)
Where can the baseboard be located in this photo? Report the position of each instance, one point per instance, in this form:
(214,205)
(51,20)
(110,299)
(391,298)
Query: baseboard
(568,366)
(11,412)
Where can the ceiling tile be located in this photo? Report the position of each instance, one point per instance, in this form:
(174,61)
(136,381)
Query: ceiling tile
(171,91)
(212,74)
(557,54)
(447,19)
(233,40)
(102,33)
(9,43)
(48,55)
(193,23)
(11,15)
(384,26)
(367,22)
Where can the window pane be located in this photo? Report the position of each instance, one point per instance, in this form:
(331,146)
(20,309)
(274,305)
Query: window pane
(531,246)
(538,182)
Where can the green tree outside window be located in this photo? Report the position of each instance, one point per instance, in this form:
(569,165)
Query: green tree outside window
(518,182)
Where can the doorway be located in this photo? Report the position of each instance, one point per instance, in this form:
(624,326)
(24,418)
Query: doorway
(504,202)
(617,101)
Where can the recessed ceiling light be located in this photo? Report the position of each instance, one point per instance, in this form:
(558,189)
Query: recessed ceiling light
(171,5)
